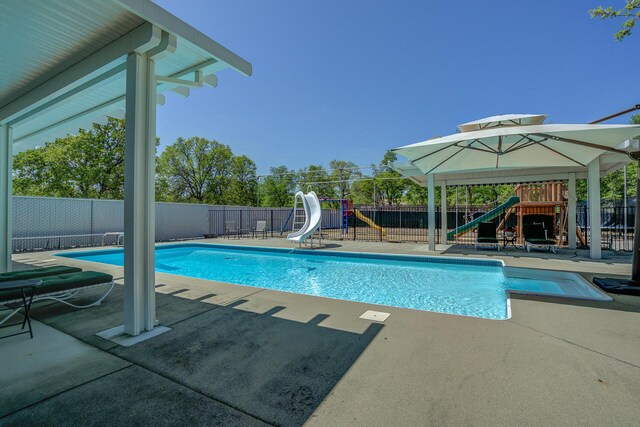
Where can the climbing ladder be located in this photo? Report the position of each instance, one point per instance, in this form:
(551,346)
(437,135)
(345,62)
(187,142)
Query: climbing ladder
(298,217)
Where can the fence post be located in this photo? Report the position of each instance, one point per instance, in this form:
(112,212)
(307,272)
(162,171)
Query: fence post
(354,225)
(91,219)
(271,222)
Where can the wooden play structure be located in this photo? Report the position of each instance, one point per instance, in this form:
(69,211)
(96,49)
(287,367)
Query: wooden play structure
(542,203)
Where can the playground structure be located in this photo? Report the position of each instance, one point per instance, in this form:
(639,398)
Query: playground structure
(544,203)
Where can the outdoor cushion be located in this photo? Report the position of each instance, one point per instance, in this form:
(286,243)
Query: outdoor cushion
(541,241)
(615,286)
(37,273)
(62,282)
(487,240)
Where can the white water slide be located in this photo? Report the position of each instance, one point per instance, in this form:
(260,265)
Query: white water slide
(312,220)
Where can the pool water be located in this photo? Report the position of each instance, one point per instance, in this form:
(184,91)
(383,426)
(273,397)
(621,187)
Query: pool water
(470,288)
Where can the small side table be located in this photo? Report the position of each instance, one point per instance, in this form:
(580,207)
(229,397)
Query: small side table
(509,240)
(27,289)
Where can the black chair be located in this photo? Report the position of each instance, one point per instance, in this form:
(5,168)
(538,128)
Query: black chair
(535,236)
(487,235)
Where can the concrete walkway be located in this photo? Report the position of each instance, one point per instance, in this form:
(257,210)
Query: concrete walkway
(239,355)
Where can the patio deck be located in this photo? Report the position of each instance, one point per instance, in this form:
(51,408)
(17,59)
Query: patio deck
(240,355)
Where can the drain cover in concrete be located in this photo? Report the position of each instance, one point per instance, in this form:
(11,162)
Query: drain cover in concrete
(375,315)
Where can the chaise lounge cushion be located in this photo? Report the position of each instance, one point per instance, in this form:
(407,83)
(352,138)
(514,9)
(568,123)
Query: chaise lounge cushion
(37,273)
(487,240)
(61,283)
(541,241)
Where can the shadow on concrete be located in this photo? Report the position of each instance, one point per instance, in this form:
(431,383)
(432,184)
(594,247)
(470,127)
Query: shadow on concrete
(275,370)
(608,256)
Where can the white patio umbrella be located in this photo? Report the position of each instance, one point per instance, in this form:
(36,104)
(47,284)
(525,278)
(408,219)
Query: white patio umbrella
(520,142)
(510,142)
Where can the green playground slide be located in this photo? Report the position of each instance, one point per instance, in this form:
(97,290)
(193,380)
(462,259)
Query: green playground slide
(514,200)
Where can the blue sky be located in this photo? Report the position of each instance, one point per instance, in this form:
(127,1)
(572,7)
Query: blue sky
(338,79)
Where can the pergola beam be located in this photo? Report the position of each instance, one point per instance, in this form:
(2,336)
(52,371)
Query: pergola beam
(141,39)
(162,86)
(201,42)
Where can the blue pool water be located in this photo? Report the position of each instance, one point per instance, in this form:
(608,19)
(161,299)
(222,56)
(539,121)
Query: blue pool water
(470,288)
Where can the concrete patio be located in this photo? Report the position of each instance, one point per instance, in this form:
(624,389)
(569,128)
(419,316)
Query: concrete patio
(240,355)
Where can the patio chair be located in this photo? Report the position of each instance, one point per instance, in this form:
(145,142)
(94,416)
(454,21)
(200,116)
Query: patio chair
(487,235)
(260,228)
(61,288)
(231,229)
(535,236)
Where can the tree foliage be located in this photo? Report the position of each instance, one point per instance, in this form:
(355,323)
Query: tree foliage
(316,178)
(196,170)
(343,173)
(630,11)
(277,188)
(87,165)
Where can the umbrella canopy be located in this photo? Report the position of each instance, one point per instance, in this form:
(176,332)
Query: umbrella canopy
(503,120)
(501,146)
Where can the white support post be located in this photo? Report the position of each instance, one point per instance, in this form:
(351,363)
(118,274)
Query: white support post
(431,209)
(593,183)
(443,213)
(6,198)
(572,200)
(139,196)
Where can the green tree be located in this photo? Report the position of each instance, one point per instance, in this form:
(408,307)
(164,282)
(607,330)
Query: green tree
(243,189)
(343,172)
(631,11)
(276,189)
(197,170)
(87,165)
(385,187)
(316,178)
(612,185)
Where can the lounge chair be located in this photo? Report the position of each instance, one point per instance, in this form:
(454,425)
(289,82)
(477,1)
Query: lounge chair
(231,229)
(61,288)
(260,228)
(535,236)
(487,235)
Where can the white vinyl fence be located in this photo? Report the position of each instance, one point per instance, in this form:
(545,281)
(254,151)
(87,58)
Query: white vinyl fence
(51,223)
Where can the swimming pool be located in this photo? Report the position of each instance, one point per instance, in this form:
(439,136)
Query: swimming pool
(469,287)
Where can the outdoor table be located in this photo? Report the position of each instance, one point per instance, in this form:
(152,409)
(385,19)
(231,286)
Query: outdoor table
(23,286)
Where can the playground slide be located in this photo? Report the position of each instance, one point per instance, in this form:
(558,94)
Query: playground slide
(313,218)
(514,200)
(368,220)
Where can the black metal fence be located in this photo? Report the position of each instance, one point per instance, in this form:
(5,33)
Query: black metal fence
(410,223)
